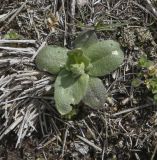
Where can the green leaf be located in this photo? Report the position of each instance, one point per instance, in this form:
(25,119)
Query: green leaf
(77,62)
(85,39)
(136,82)
(153,85)
(155,97)
(101,26)
(69,91)
(77,69)
(105,57)
(96,93)
(76,56)
(51,59)
(144,62)
(72,114)
(11,34)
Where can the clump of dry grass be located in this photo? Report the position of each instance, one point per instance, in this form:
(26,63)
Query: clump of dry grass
(125,130)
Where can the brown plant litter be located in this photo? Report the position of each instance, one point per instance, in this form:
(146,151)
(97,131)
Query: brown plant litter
(30,127)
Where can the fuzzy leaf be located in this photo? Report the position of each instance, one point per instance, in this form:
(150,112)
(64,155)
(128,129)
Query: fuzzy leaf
(77,61)
(51,59)
(76,56)
(85,39)
(69,91)
(105,57)
(96,93)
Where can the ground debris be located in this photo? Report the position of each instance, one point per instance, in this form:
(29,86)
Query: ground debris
(30,127)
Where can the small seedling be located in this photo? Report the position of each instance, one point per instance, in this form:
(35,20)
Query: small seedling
(147,76)
(11,34)
(78,70)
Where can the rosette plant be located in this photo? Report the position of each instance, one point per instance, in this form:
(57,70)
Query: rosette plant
(77,70)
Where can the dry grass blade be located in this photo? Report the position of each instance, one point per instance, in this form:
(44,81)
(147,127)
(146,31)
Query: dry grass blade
(124,129)
(17,41)
(154,152)
(27,123)
(131,109)
(18,90)
(29,51)
(11,127)
(14,15)
(152,7)
(89,143)
(34,55)
(64,141)
(3,17)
